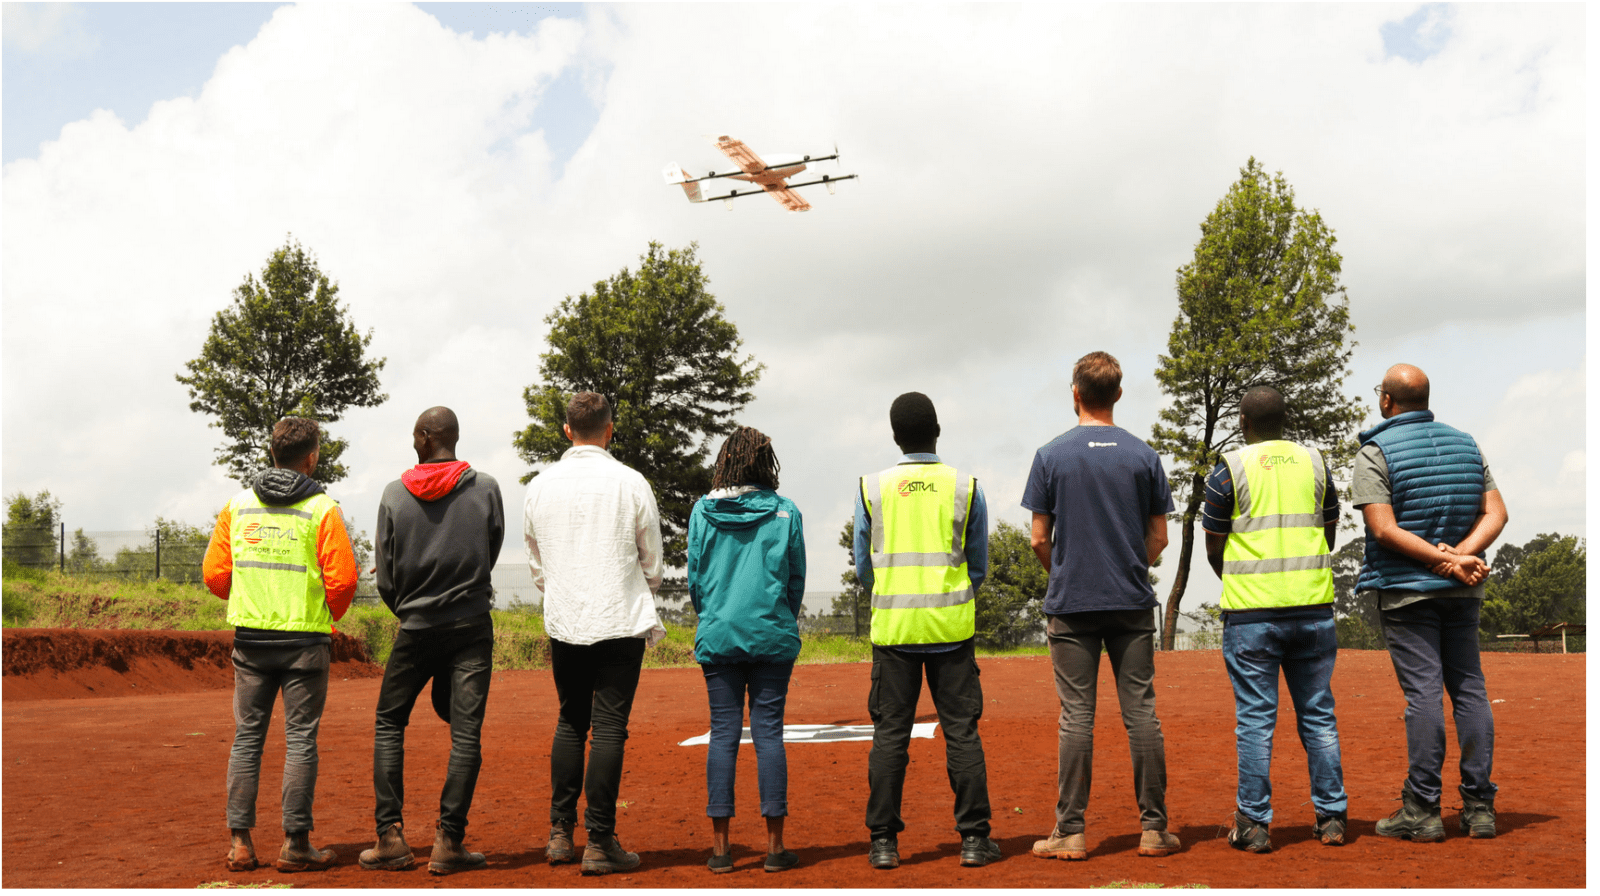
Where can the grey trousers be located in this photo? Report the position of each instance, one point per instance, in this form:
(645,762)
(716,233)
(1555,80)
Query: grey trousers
(1128,637)
(259,673)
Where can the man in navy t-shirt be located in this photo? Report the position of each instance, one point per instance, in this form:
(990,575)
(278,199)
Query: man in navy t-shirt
(1100,501)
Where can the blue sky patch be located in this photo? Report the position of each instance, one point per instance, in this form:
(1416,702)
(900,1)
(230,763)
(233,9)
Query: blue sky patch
(1419,36)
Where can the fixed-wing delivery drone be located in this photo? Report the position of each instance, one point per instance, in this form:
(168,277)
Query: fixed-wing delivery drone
(772,179)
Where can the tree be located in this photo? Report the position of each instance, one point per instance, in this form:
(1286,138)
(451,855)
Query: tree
(175,550)
(284,347)
(855,601)
(1359,621)
(30,532)
(1260,304)
(656,345)
(84,555)
(1543,582)
(1011,601)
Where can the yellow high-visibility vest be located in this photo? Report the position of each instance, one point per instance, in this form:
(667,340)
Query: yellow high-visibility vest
(1277,551)
(920,590)
(277,580)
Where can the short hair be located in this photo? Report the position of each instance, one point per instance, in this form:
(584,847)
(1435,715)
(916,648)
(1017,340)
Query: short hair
(746,458)
(587,414)
(293,440)
(1097,376)
(440,422)
(1264,407)
(913,419)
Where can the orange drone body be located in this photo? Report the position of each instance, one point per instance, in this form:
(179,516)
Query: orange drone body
(772,180)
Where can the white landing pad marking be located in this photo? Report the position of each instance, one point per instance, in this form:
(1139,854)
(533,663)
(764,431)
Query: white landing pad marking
(811,734)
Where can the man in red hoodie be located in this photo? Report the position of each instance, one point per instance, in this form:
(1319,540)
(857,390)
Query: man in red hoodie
(440,526)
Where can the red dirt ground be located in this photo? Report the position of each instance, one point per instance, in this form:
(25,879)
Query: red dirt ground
(97,793)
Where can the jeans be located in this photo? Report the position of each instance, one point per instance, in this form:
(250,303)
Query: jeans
(768,684)
(1128,637)
(1434,646)
(892,703)
(1305,649)
(458,658)
(595,684)
(259,673)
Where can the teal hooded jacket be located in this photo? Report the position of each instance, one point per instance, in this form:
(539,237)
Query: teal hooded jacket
(747,575)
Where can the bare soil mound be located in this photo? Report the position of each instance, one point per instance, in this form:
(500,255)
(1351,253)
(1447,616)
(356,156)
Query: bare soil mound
(53,663)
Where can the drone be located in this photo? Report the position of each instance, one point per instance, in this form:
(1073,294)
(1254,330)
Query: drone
(772,179)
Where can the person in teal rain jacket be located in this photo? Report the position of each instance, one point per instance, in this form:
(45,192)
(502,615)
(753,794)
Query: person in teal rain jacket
(747,575)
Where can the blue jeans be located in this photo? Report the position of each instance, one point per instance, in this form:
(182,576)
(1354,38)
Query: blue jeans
(768,684)
(1305,650)
(1434,646)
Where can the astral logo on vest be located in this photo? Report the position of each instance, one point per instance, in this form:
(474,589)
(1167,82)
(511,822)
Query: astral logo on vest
(1268,461)
(255,532)
(908,486)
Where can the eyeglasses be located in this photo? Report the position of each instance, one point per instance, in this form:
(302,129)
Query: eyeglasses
(1378,391)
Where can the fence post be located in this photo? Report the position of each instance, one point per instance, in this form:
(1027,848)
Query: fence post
(158,552)
(63,543)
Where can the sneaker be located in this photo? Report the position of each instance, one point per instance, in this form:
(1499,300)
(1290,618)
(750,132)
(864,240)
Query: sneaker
(978,851)
(1477,818)
(1329,829)
(884,853)
(561,849)
(1158,843)
(1415,820)
(720,864)
(604,854)
(1071,847)
(781,861)
(1250,836)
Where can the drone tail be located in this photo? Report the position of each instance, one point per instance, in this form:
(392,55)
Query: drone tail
(676,175)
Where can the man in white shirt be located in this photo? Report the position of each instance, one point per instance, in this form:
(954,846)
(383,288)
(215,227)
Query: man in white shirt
(594,546)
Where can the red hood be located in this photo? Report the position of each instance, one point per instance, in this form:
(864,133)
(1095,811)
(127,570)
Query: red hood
(430,482)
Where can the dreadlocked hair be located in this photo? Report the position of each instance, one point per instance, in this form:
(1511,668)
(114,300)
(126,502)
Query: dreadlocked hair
(746,458)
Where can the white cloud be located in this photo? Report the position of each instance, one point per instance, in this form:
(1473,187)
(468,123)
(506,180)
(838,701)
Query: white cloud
(55,28)
(1031,178)
(1536,450)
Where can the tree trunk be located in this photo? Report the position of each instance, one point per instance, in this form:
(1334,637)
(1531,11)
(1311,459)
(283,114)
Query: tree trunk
(1180,581)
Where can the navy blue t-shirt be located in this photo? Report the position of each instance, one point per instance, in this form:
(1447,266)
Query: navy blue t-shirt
(1102,484)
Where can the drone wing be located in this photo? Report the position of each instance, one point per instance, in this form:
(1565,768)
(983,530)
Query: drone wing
(788,198)
(748,161)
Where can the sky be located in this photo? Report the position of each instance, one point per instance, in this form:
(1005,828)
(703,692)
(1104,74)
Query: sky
(1031,178)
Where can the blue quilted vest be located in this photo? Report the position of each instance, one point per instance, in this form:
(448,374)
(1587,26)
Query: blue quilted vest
(1436,485)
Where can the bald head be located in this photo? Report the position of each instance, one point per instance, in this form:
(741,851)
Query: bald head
(434,437)
(1407,385)
(1263,410)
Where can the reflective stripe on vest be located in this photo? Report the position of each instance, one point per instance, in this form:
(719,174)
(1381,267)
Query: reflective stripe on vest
(277,580)
(921,593)
(1277,552)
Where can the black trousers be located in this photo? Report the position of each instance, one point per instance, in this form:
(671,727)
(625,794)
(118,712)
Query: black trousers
(958,697)
(595,684)
(458,657)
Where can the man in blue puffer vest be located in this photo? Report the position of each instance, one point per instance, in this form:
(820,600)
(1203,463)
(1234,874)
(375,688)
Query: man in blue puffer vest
(1431,509)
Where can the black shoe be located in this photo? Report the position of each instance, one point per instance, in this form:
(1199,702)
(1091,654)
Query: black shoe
(978,851)
(781,861)
(884,853)
(1250,836)
(1330,829)
(1477,818)
(1414,820)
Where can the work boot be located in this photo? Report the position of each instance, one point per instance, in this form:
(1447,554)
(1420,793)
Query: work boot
(604,854)
(1158,843)
(298,854)
(449,856)
(1330,829)
(1414,820)
(391,853)
(242,853)
(1071,847)
(1477,817)
(561,849)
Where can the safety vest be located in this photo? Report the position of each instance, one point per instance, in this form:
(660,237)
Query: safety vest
(1277,551)
(920,590)
(277,581)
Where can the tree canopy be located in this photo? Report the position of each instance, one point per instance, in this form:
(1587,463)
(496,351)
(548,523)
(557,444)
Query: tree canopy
(1259,304)
(283,347)
(1011,601)
(1537,584)
(655,343)
(31,536)
(855,600)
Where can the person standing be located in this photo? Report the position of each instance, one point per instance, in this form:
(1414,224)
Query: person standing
(922,550)
(1100,501)
(1270,514)
(594,547)
(747,577)
(281,558)
(1431,509)
(440,527)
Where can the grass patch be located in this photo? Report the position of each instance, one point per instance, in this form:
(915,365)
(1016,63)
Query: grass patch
(230,885)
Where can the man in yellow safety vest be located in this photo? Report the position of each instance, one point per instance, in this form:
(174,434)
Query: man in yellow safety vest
(922,548)
(1270,515)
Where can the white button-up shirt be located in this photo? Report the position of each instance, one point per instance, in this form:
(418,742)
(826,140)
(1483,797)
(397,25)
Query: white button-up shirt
(594,546)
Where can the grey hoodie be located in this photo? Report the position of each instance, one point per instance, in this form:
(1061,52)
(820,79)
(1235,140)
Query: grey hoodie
(436,542)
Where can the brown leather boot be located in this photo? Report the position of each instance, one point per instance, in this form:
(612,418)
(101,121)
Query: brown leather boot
(449,856)
(241,852)
(391,853)
(298,854)
(561,849)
